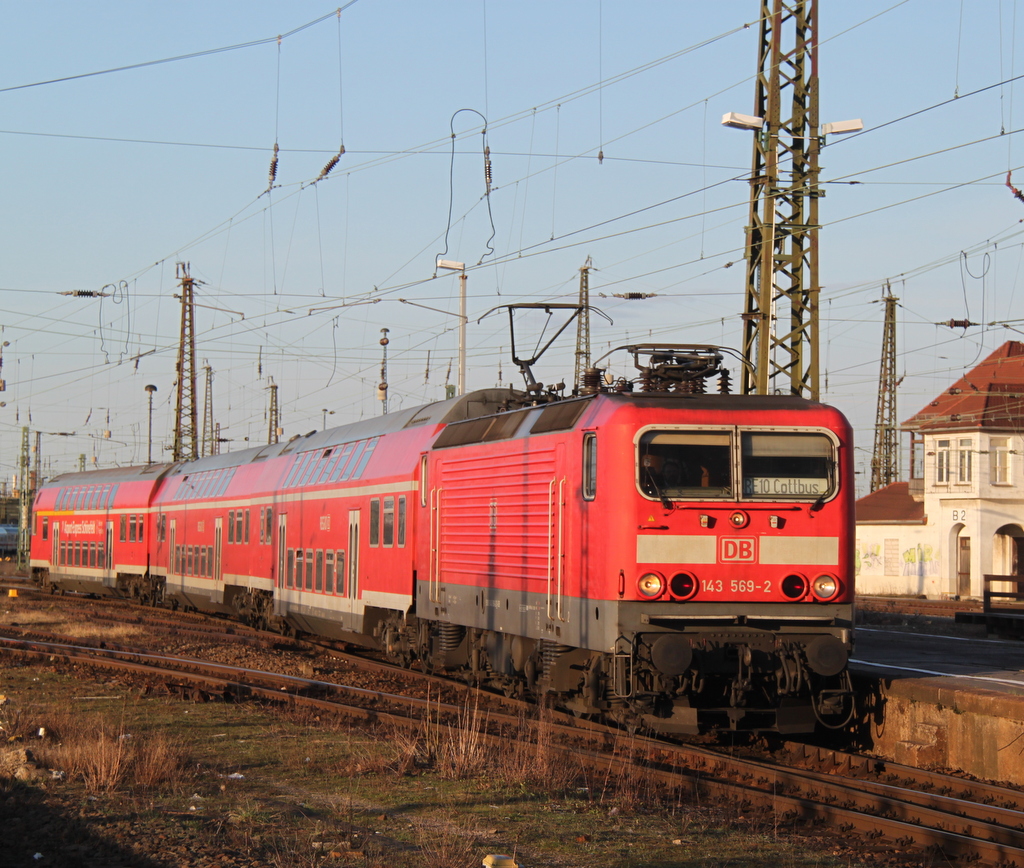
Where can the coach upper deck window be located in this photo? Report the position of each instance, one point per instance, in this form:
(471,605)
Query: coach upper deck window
(787,466)
(685,464)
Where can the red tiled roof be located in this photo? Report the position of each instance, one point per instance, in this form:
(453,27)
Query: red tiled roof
(892,504)
(990,396)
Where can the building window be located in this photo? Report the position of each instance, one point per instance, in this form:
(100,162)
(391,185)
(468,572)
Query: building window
(964,454)
(942,461)
(999,451)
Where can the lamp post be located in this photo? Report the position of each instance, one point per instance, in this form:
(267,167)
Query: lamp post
(460,267)
(326,413)
(150,389)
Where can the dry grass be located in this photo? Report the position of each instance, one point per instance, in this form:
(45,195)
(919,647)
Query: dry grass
(53,619)
(106,757)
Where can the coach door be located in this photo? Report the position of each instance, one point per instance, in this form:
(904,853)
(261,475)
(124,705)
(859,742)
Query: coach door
(282,547)
(172,551)
(218,539)
(110,546)
(352,603)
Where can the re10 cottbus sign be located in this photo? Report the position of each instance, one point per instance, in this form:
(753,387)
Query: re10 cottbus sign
(737,549)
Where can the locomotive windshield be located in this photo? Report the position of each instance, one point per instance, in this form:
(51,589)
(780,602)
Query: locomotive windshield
(684,464)
(680,465)
(787,466)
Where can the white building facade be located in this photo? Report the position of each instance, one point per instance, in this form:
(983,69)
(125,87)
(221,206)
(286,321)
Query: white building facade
(963,516)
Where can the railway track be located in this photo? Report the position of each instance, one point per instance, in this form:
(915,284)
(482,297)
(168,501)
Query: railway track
(887,805)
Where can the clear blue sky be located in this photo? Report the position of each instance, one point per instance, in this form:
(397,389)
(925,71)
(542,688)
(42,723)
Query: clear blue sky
(115,177)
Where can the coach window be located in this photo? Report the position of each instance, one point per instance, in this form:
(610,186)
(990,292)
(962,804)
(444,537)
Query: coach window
(123,536)
(423,480)
(589,466)
(787,466)
(263,510)
(92,554)
(269,535)
(339,571)
(401,521)
(46,527)
(309,569)
(389,521)
(685,464)
(231,525)
(132,522)
(101,554)
(238,526)
(291,568)
(329,572)
(161,528)
(319,576)
(245,535)
(374,521)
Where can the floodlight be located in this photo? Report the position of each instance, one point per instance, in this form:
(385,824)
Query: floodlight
(742,122)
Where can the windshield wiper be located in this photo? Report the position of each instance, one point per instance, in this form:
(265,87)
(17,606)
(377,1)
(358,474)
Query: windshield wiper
(665,502)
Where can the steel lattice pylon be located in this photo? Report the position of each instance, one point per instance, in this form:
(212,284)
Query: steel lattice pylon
(186,428)
(274,414)
(780,319)
(885,459)
(583,328)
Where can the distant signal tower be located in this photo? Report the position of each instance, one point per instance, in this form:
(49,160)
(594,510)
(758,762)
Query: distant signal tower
(885,459)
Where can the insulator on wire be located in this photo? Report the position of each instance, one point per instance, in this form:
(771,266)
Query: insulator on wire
(959,323)
(326,170)
(600,157)
(487,168)
(273,165)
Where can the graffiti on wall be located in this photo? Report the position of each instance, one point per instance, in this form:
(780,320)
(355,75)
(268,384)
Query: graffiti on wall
(918,560)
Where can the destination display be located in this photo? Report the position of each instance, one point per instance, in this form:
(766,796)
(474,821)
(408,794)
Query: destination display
(784,486)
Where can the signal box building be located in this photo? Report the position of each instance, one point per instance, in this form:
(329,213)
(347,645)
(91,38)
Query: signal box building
(961,515)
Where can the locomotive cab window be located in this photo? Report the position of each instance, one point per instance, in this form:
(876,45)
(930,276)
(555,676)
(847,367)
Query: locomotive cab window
(787,466)
(685,464)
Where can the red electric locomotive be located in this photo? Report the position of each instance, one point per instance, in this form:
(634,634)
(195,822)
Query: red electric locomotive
(667,558)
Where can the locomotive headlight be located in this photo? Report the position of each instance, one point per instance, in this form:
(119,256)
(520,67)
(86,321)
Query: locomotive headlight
(650,585)
(738,519)
(825,587)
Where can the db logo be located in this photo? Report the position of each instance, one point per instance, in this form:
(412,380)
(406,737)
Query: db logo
(737,548)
